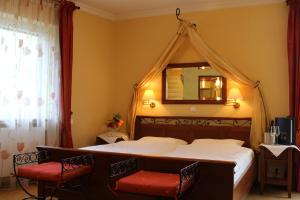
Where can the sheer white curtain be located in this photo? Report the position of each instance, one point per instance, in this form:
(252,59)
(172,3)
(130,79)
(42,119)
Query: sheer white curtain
(29,78)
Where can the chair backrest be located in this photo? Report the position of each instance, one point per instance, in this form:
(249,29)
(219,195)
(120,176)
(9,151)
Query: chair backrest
(123,168)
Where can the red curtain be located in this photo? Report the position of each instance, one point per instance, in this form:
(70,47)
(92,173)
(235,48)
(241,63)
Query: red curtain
(294,70)
(66,50)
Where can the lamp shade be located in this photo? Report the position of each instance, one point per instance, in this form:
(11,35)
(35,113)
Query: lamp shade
(235,94)
(148,95)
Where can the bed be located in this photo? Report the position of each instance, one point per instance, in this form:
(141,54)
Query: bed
(218,178)
(203,149)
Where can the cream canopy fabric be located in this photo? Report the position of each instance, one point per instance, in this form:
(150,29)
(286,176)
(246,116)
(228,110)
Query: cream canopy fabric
(188,30)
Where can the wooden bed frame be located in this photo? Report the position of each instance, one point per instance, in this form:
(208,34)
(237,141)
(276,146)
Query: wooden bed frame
(216,178)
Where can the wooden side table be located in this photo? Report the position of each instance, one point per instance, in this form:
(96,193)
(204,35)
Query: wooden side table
(111,137)
(100,141)
(284,159)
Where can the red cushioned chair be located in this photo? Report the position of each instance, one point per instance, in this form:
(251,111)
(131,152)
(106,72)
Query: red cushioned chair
(127,178)
(36,166)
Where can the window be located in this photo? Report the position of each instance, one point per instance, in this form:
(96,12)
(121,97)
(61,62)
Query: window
(28,87)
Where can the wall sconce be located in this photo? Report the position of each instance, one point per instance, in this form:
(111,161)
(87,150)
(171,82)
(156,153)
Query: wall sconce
(148,97)
(233,96)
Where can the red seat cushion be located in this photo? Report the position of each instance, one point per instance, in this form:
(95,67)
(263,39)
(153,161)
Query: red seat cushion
(51,171)
(150,183)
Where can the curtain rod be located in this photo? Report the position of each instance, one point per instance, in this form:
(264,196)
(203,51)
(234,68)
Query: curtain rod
(61,1)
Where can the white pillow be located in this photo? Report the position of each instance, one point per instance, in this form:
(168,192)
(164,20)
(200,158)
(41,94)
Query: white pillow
(151,139)
(218,142)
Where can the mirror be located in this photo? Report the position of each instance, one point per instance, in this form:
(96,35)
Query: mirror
(192,83)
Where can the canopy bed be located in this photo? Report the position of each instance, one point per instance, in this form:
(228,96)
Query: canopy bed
(182,128)
(217,175)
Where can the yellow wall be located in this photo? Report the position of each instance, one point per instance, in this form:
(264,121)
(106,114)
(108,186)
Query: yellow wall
(110,57)
(252,38)
(92,72)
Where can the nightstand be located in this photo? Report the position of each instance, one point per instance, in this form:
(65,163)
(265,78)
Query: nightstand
(276,170)
(111,137)
(100,141)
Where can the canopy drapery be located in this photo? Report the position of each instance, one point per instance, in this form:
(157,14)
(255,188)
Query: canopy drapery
(188,30)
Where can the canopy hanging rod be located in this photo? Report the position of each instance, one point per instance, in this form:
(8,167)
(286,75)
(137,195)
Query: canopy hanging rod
(178,15)
(178,12)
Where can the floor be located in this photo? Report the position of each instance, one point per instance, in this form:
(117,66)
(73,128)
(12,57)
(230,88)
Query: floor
(10,194)
(271,193)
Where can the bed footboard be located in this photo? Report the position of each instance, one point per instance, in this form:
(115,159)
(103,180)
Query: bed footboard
(215,178)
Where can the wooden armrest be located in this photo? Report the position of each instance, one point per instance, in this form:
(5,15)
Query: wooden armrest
(123,168)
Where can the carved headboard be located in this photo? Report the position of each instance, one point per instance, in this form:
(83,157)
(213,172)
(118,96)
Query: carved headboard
(190,128)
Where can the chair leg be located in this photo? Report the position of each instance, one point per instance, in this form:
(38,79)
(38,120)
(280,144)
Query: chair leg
(113,192)
(79,188)
(31,196)
(53,193)
(83,193)
(84,181)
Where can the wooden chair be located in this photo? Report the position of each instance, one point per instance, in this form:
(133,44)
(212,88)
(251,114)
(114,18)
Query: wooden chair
(36,166)
(125,177)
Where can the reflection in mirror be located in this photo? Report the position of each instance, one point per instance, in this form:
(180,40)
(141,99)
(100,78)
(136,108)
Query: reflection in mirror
(193,83)
(210,87)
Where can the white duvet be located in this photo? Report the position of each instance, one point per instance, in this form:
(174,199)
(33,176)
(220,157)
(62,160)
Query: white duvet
(207,149)
(242,156)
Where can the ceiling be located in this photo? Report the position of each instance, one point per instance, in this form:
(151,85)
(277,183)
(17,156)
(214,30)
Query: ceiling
(128,9)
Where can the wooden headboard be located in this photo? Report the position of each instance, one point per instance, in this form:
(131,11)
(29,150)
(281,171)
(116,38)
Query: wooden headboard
(190,128)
